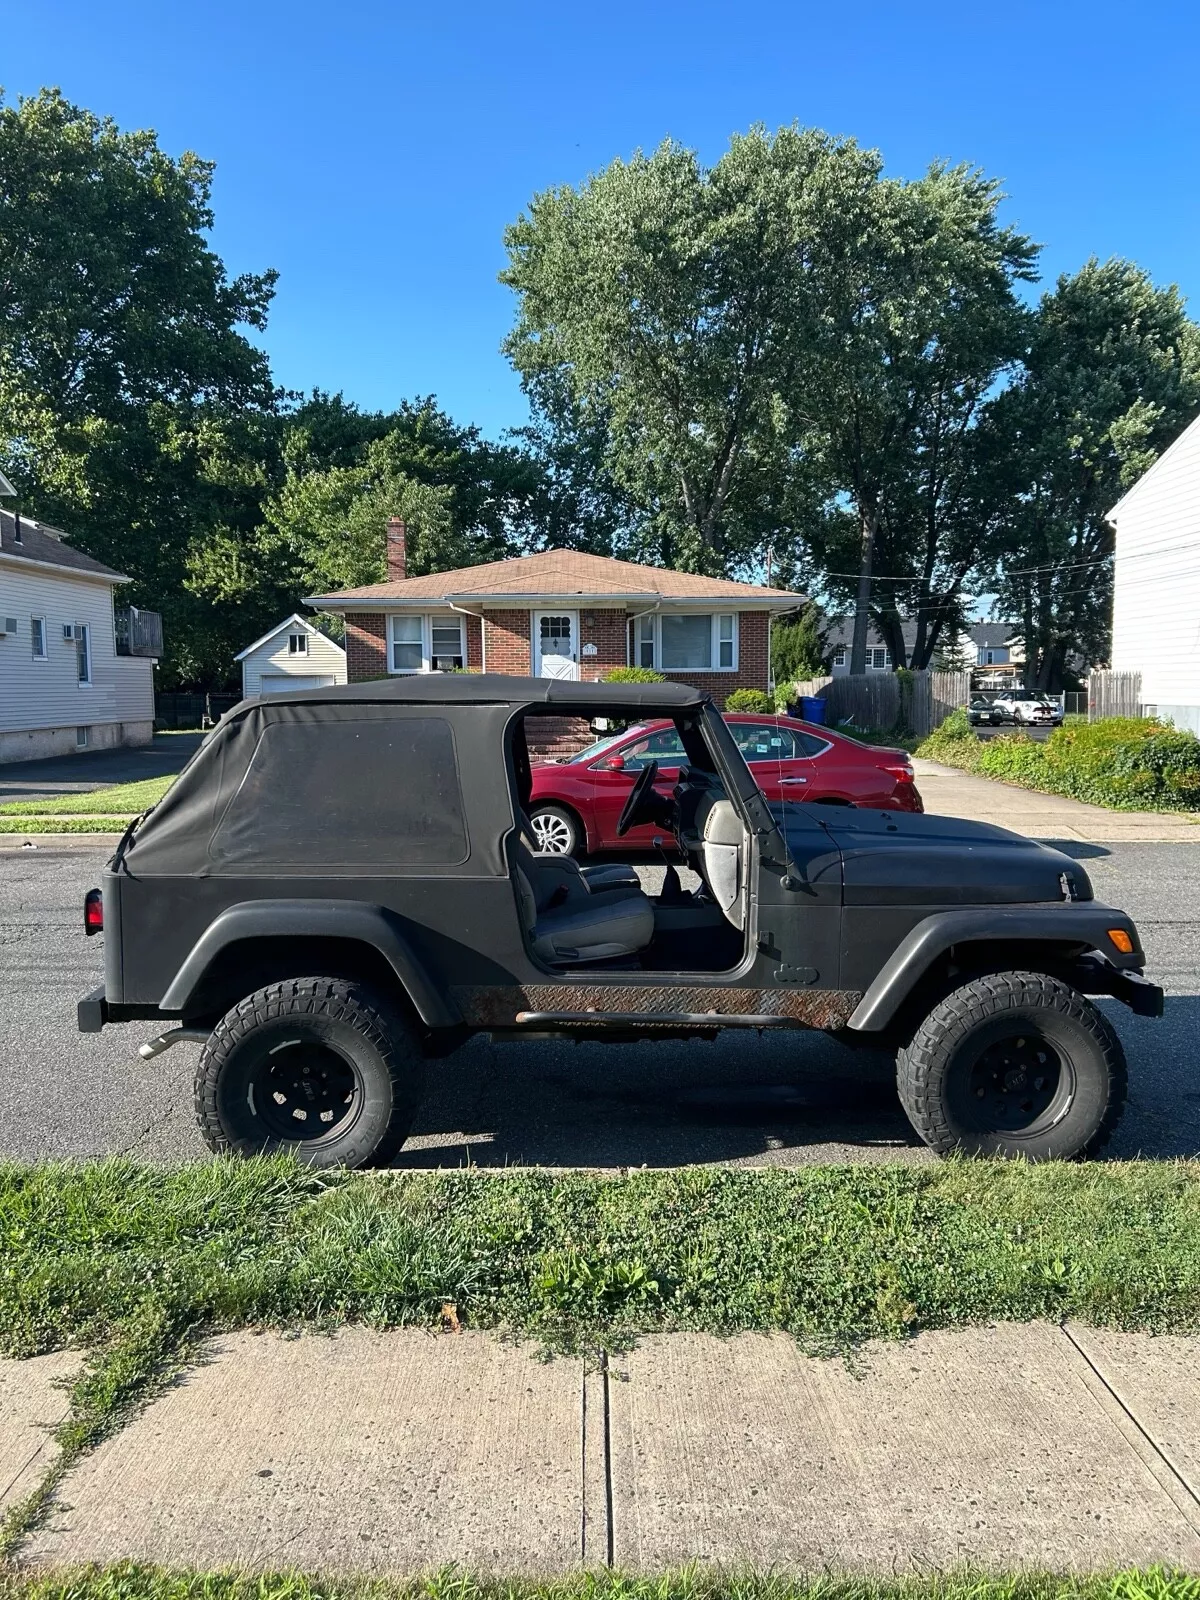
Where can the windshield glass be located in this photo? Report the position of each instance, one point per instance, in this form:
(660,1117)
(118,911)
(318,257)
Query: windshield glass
(593,750)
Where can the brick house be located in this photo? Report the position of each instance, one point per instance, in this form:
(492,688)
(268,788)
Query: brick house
(559,614)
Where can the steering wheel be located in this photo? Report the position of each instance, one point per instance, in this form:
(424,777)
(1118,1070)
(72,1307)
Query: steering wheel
(637,795)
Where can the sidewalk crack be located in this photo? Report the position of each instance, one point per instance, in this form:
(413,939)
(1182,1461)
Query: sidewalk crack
(1180,1490)
(608,1476)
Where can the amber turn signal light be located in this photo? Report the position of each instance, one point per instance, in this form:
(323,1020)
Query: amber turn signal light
(1122,940)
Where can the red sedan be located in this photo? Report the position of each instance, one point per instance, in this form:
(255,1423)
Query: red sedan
(576,803)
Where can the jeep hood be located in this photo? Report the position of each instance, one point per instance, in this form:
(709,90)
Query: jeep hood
(902,858)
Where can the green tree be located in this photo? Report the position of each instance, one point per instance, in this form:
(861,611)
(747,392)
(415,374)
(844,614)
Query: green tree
(919,320)
(665,307)
(798,647)
(1111,377)
(134,411)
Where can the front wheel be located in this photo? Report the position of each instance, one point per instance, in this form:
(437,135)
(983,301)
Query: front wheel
(555,830)
(318,1068)
(1014,1064)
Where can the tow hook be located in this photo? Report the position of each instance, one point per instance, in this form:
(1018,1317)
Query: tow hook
(164,1041)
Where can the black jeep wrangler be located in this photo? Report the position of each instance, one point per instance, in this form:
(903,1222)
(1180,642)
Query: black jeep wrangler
(341,886)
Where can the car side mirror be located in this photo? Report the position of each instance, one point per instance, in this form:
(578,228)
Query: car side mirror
(614,763)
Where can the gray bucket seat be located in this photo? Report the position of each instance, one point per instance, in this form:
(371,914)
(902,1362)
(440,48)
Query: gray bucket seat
(569,921)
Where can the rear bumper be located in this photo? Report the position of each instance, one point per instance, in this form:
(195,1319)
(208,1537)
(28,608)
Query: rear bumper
(91,1012)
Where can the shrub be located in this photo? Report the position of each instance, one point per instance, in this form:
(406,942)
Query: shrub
(754,700)
(1130,763)
(632,675)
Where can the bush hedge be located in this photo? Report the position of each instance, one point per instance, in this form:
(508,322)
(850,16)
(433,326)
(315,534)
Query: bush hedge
(1126,763)
(633,675)
(756,701)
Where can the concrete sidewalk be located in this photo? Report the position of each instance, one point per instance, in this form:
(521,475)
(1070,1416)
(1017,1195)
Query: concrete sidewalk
(947,792)
(1001,1448)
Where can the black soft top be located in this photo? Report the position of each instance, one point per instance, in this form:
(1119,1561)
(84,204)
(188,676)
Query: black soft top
(333,779)
(491,688)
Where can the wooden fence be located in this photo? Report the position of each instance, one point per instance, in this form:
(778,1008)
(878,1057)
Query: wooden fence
(916,701)
(1114,694)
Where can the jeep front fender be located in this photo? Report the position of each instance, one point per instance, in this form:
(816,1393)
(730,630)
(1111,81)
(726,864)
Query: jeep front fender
(1081,923)
(314,919)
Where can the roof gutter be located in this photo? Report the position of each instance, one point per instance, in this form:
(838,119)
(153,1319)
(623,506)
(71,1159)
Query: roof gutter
(708,602)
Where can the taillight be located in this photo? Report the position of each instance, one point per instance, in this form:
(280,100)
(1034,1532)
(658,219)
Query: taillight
(93,912)
(899,770)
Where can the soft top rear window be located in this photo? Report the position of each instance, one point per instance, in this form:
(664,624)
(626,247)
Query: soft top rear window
(347,793)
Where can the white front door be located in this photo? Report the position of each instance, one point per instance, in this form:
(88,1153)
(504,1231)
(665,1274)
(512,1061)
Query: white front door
(556,644)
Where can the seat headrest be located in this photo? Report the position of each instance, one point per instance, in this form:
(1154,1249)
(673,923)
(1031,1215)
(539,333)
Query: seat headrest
(722,825)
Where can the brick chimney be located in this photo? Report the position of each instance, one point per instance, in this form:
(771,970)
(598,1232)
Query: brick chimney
(397,550)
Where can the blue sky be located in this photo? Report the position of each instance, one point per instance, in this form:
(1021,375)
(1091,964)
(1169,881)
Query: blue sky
(373,153)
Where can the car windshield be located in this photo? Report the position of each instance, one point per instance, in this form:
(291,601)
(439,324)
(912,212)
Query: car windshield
(593,750)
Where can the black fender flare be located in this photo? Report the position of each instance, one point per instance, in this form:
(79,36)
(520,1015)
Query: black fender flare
(315,919)
(1082,923)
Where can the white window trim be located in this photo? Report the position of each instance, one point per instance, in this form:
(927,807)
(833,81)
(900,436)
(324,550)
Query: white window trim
(45,651)
(428,618)
(633,646)
(85,683)
(302,645)
(839,656)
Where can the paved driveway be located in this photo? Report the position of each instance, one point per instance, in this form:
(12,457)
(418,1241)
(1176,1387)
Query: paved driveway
(776,1100)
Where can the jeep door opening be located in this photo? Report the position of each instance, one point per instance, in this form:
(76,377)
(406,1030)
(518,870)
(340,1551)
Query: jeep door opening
(342,886)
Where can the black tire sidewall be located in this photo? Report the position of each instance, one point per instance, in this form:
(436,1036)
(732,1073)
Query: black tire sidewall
(364,1033)
(1079,1034)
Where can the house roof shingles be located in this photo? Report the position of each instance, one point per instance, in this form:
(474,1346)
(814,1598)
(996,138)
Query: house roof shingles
(558,574)
(48,547)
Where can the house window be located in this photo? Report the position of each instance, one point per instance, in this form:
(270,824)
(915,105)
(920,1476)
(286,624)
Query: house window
(83,652)
(878,660)
(82,738)
(839,656)
(687,643)
(725,642)
(446,639)
(644,654)
(408,644)
(297,644)
(37,637)
(990,658)
(426,644)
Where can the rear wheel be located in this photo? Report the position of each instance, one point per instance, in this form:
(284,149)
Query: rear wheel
(555,830)
(320,1068)
(1014,1064)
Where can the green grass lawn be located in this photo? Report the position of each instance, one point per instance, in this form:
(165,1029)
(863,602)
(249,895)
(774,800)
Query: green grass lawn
(122,800)
(132,1582)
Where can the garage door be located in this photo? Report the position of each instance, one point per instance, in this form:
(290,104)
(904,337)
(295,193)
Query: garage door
(285,682)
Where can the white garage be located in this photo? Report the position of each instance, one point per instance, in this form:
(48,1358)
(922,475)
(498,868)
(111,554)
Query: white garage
(295,655)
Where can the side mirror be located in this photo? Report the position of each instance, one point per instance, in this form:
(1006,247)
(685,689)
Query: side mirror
(614,763)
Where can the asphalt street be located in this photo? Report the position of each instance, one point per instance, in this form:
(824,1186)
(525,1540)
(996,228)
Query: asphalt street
(779,1099)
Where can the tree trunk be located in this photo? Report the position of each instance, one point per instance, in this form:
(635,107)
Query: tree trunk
(858,649)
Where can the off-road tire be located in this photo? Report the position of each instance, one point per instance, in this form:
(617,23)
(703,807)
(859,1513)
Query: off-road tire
(370,1045)
(934,1070)
(568,838)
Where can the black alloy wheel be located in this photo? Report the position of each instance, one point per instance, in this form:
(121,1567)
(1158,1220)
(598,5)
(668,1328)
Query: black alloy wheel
(305,1089)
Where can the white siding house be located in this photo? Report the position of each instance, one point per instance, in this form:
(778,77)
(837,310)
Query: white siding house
(63,684)
(294,655)
(1156,585)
